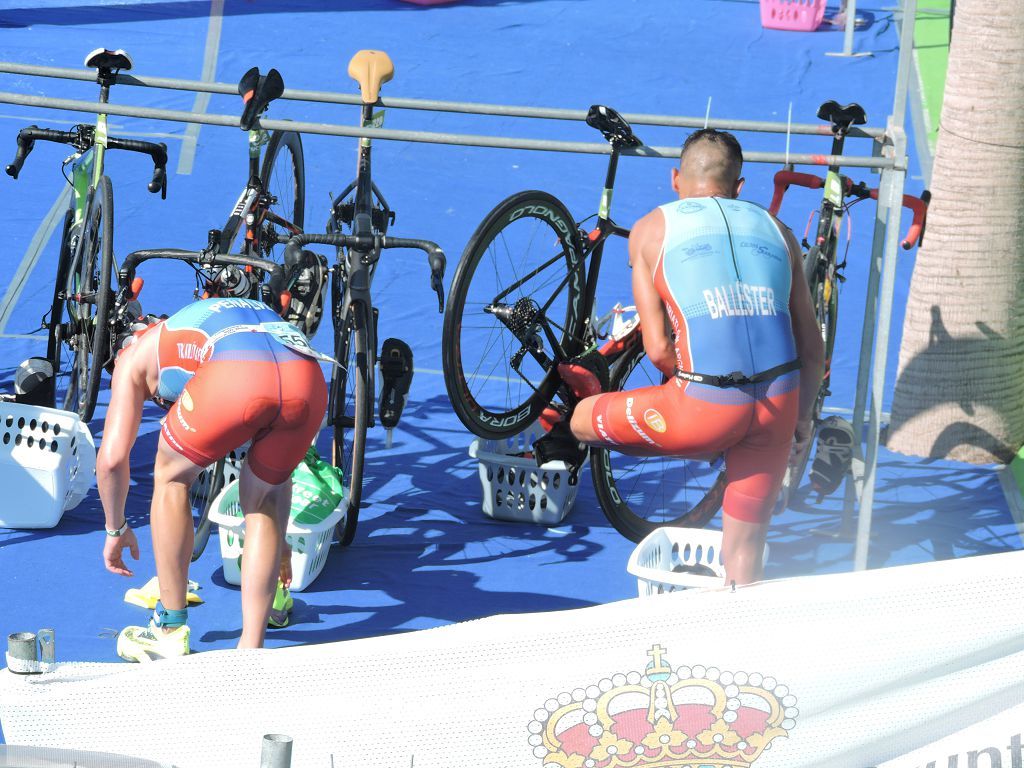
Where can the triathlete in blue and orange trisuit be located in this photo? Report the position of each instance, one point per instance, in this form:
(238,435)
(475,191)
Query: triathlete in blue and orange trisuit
(234,372)
(746,360)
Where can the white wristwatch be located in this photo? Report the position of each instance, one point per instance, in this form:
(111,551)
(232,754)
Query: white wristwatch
(118,531)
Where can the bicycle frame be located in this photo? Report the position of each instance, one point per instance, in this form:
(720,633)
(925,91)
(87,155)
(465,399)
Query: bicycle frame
(592,248)
(352,274)
(605,228)
(249,209)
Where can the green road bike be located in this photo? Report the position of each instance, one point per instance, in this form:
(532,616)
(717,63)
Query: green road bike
(78,337)
(823,264)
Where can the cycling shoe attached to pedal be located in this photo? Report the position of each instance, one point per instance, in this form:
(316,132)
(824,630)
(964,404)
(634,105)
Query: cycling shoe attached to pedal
(586,375)
(560,444)
(832,455)
(396,375)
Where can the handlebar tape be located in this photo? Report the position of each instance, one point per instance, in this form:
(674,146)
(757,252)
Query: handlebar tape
(784,178)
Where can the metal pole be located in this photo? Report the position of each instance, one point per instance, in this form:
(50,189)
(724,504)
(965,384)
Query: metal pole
(851,20)
(870,307)
(328,97)
(848,10)
(893,204)
(460,139)
(899,103)
(277,751)
(894,201)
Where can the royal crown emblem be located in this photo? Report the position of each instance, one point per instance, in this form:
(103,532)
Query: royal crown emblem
(665,717)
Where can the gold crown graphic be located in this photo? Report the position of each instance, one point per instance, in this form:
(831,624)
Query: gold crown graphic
(687,717)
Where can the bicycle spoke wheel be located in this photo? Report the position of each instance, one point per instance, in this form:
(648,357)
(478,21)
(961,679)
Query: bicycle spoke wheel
(350,413)
(639,494)
(283,176)
(80,332)
(515,309)
(201,495)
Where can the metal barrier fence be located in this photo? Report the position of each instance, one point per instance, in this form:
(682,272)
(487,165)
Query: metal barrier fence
(889,156)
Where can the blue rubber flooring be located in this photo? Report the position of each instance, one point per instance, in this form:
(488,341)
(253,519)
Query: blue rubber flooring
(424,553)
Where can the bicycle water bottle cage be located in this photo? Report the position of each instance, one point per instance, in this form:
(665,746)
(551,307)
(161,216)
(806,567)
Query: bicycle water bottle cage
(612,125)
(842,117)
(371,69)
(396,372)
(108,63)
(257,91)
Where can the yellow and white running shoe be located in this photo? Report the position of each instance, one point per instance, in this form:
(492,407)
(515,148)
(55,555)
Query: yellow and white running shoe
(151,643)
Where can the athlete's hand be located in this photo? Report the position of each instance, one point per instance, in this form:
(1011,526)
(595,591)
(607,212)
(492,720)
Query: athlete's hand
(801,440)
(113,551)
(286,565)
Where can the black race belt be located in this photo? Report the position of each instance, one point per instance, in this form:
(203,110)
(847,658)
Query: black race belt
(737,378)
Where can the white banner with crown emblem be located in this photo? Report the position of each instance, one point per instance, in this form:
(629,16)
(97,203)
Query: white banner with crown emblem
(846,670)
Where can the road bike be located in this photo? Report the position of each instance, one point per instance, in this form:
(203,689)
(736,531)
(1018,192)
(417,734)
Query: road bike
(357,227)
(77,336)
(272,205)
(823,266)
(269,210)
(522,301)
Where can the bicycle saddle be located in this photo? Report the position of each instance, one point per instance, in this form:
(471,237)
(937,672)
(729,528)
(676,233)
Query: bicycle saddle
(842,117)
(371,69)
(612,125)
(257,91)
(101,58)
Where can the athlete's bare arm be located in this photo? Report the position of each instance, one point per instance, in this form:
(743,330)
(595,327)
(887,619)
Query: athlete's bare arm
(129,389)
(645,240)
(810,348)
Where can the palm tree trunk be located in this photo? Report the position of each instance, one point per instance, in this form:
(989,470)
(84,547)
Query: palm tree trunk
(960,383)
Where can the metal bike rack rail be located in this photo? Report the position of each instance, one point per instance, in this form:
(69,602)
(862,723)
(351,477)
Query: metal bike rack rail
(465,107)
(428,137)
(889,157)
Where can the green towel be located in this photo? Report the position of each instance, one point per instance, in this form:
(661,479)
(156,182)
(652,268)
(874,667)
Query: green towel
(316,491)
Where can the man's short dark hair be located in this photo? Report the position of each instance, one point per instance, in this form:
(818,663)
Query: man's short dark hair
(722,139)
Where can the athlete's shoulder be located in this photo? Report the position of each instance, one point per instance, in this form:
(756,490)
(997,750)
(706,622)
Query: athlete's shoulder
(651,223)
(647,235)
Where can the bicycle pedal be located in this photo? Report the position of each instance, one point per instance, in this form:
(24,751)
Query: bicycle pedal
(396,373)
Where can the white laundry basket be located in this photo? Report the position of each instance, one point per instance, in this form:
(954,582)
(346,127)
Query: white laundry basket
(515,488)
(670,559)
(311,544)
(47,464)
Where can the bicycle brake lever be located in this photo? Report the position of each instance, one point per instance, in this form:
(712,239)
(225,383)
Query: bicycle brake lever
(438,286)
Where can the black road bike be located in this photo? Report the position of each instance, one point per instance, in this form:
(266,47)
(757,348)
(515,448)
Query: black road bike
(522,301)
(78,335)
(358,226)
(269,210)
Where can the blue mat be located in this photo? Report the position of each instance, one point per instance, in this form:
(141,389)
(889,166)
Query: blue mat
(424,554)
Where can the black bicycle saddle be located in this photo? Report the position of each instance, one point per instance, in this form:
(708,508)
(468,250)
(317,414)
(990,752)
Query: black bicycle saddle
(842,117)
(257,91)
(102,58)
(610,123)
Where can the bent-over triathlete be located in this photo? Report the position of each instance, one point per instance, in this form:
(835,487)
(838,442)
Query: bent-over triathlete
(235,372)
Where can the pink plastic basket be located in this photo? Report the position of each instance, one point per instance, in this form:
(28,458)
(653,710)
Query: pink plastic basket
(796,15)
